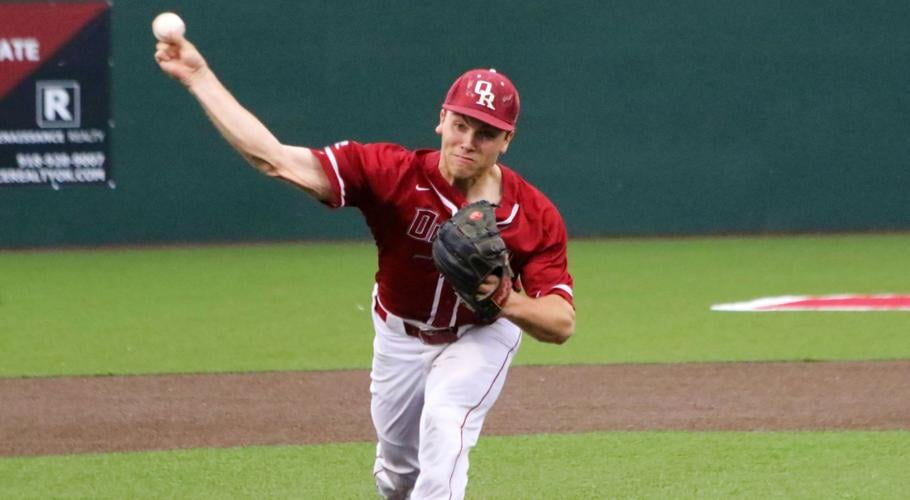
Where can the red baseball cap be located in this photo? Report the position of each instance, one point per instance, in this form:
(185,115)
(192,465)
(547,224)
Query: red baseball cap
(485,95)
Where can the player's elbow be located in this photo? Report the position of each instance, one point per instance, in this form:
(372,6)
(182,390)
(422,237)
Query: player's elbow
(565,329)
(560,329)
(565,322)
(261,165)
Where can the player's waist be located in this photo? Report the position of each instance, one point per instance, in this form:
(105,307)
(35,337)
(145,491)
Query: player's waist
(426,333)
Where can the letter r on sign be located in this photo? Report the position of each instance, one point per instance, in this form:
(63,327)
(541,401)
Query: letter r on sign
(58,104)
(55,105)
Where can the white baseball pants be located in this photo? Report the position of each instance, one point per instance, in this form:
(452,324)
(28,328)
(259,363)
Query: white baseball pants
(429,403)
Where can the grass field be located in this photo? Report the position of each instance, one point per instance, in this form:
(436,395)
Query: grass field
(654,465)
(305,307)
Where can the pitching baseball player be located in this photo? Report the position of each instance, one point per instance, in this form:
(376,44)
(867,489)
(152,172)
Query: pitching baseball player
(442,348)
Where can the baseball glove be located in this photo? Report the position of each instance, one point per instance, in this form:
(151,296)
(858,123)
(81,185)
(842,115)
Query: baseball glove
(468,249)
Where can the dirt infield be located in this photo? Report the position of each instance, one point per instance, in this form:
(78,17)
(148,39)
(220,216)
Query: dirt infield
(49,416)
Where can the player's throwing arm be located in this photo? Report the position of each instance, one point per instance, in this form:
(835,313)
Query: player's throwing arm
(179,59)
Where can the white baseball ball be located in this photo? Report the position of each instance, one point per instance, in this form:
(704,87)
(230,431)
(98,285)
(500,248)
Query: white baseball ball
(167,26)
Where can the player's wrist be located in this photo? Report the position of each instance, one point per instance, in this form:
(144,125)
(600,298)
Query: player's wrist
(199,79)
(511,304)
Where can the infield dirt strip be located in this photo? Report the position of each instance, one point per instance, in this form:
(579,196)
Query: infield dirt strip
(49,416)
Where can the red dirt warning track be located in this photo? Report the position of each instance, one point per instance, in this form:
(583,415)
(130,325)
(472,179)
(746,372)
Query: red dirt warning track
(48,416)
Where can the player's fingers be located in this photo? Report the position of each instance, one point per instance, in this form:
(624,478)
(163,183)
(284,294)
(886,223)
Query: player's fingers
(178,39)
(489,285)
(171,49)
(163,56)
(171,55)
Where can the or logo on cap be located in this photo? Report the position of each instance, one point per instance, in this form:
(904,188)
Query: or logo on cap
(476,215)
(485,95)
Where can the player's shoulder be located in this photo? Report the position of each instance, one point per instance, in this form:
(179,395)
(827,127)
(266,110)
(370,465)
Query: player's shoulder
(387,150)
(381,156)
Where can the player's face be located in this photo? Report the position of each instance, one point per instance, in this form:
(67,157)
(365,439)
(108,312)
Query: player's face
(469,147)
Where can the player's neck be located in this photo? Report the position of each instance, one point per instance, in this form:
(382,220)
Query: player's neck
(485,186)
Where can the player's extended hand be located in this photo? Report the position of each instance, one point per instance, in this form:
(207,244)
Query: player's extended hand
(179,59)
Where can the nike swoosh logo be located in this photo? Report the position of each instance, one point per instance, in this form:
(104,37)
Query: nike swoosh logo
(421,188)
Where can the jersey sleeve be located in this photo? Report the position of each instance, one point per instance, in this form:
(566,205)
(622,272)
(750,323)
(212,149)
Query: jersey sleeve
(359,172)
(547,271)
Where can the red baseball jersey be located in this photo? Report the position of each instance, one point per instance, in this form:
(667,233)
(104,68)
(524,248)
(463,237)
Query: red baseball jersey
(404,199)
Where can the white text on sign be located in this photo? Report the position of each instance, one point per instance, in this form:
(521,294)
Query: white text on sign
(19,49)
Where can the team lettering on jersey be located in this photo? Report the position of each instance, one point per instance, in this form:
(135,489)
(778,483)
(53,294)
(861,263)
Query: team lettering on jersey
(424,226)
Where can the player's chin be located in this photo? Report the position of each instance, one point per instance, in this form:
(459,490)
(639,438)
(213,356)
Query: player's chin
(464,170)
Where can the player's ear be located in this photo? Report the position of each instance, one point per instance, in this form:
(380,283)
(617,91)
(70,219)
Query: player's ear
(505,145)
(442,117)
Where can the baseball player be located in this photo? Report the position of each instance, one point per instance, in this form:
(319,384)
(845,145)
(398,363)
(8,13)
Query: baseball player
(437,367)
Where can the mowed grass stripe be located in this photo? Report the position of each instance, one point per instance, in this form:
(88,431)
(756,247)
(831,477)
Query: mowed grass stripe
(581,466)
(306,307)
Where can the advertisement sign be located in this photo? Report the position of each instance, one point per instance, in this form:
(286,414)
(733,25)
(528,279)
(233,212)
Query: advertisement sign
(55,118)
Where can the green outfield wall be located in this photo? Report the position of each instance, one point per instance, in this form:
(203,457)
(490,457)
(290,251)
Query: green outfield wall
(639,117)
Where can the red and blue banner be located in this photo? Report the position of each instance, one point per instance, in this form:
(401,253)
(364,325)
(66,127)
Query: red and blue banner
(55,115)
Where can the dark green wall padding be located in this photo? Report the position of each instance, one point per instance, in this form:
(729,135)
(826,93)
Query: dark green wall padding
(639,118)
